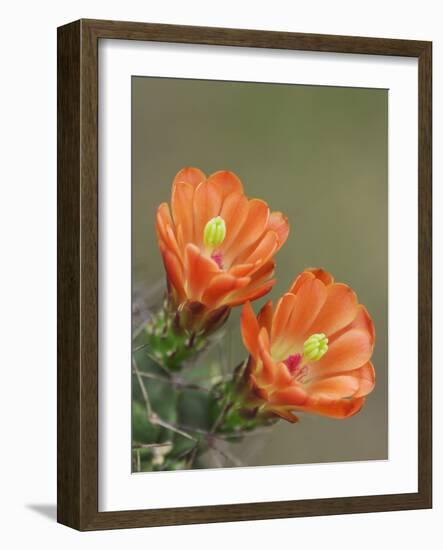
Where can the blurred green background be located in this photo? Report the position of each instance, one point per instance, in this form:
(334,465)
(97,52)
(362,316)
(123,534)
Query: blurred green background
(318,154)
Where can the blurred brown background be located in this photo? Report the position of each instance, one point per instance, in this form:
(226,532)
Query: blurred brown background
(318,154)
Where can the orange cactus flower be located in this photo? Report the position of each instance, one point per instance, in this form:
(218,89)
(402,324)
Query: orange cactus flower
(217,245)
(312,354)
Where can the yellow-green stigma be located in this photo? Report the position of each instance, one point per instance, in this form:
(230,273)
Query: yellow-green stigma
(215,232)
(315,347)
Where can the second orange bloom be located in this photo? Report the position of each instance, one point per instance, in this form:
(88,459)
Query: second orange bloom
(313,352)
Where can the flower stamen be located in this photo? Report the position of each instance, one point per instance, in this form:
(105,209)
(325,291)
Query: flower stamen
(214,232)
(315,347)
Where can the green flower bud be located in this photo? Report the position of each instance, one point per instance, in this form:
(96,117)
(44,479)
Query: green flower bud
(315,347)
(215,232)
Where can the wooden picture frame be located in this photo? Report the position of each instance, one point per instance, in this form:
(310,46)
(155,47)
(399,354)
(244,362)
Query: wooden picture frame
(78,274)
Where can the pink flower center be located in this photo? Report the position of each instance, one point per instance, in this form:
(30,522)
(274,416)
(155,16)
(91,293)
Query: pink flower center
(218,259)
(293,362)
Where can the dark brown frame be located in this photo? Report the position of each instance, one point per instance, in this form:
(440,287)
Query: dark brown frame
(77,480)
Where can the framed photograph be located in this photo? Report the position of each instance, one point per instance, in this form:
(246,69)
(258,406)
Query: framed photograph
(244,274)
